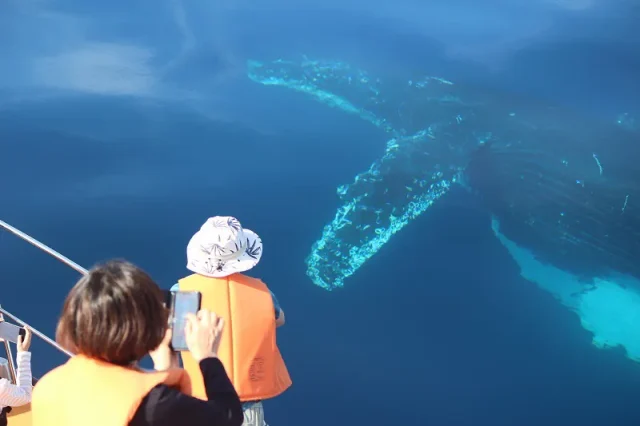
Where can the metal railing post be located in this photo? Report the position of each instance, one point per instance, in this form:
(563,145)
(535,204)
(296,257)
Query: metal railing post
(12,366)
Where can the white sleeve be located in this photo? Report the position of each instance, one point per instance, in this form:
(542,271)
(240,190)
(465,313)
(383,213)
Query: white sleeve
(15,395)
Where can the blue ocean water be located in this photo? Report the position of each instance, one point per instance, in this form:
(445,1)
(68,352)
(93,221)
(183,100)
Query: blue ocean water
(123,127)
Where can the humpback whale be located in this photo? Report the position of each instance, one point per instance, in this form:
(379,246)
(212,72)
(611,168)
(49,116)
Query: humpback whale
(563,190)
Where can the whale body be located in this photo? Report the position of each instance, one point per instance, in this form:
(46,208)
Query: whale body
(563,189)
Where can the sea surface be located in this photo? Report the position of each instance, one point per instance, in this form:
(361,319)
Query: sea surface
(124,126)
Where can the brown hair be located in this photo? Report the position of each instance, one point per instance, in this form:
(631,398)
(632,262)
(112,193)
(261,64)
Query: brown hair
(115,313)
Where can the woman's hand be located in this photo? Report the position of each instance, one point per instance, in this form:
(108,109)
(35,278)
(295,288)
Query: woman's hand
(24,342)
(163,357)
(203,333)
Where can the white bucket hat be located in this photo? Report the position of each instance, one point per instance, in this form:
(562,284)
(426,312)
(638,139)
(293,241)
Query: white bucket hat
(222,247)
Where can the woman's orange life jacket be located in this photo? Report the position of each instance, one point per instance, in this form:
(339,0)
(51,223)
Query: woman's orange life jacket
(88,392)
(248,349)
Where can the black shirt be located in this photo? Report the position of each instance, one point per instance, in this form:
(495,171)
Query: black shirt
(165,406)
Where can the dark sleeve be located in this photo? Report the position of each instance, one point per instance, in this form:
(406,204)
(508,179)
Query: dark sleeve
(165,406)
(276,304)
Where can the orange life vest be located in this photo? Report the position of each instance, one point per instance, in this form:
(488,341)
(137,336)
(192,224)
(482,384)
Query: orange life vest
(248,349)
(84,391)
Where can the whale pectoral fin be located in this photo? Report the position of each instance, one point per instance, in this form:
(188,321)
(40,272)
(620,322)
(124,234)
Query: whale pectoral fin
(380,202)
(414,172)
(397,107)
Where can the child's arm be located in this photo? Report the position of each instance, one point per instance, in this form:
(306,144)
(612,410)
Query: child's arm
(278,309)
(15,395)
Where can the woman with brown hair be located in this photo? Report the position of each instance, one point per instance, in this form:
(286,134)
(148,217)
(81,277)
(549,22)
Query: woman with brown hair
(111,319)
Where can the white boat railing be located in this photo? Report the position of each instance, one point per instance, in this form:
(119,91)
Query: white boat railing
(61,258)
(45,248)
(35,331)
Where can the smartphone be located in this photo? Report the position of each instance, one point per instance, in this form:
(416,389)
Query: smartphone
(182,303)
(10,332)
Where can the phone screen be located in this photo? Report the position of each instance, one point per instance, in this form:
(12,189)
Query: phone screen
(10,332)
(184,302)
